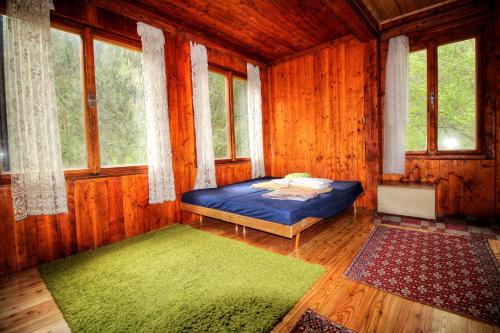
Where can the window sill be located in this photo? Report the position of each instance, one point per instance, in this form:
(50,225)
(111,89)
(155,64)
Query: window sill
(454,156)
(85,173)
(229,161)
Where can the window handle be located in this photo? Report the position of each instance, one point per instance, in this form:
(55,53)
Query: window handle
(432,98)
(91,101)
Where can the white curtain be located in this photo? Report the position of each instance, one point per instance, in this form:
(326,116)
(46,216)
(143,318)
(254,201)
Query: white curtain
(254,101)
(160,170)
(38,185)
(396,105)
(205,175)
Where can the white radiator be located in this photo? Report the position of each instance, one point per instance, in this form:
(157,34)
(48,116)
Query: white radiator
(407,199)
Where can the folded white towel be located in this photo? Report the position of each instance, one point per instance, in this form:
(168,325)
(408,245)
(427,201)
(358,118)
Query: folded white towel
(313,180)
(282,181)
(316,183)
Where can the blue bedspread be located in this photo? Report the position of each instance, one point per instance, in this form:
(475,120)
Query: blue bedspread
(240,199)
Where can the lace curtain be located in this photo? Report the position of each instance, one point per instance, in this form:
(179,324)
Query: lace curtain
(254,101)
(396,105)
(160,171)
(205,174)
(38,184)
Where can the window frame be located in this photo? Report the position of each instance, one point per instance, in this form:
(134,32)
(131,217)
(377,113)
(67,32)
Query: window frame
(229,74)
(431,46)
(91,120)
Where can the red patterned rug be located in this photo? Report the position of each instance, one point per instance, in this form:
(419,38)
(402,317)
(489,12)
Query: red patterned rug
(489,229)
(455,273)
(311,322)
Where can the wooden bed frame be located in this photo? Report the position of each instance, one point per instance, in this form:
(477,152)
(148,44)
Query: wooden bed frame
(271,227)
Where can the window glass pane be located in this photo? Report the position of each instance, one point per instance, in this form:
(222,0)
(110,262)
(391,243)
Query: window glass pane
(457,96)
(120,105)
(4,141)
(217,84)
(68,78)
(416,129)
(240,117)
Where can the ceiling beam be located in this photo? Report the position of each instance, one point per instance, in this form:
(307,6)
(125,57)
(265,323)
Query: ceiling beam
(368,15)
(150,16)
(353,19)
(441,7)
(438,16)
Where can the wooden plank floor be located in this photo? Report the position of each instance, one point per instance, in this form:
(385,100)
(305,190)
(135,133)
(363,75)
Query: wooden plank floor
(27,306)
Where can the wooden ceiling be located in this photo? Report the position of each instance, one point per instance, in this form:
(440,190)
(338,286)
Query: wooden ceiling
(266,30)
(388,10)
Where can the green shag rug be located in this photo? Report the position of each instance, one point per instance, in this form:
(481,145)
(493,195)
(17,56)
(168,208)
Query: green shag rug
(177,279)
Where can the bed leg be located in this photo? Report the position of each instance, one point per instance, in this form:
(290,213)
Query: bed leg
(244,231)
(297,240)
(236,228)
(201,219)
(355,207)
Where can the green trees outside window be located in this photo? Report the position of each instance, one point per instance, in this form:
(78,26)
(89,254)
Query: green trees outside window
(228,106)
(452,99)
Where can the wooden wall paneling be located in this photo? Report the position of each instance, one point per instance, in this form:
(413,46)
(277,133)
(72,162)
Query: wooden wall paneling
(497,106)
(479,188)
(372,121)
(26,243)
(186,157)
(173,86)
(323,118)
(116,219)
(316,114)
(47,238)
(142,197)
(8,253)
(83,215)
(130,206)
(334,53)
(264,79)
(359,120)
(67,223)
(99,208)
(310,107)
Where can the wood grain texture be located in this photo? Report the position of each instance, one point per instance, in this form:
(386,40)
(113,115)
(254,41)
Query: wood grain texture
(320,104)
(466,185)
(107,208)
(497,104)
(263,29)
(383,10)
(26,304)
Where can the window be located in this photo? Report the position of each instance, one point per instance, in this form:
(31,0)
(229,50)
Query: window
(108,134)
(219,108)
(240,117)
(416,128)
(457,96)
(68,78)
(443,87)
(120,105)
(228,106)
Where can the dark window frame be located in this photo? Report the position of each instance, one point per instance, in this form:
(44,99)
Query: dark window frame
(229,74)
(88,35)
(431,46)
(4,136)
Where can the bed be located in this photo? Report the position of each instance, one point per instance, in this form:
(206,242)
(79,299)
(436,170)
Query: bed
(244,206)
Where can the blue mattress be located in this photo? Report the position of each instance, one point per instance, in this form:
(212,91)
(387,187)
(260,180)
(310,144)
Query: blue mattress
(240,199)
